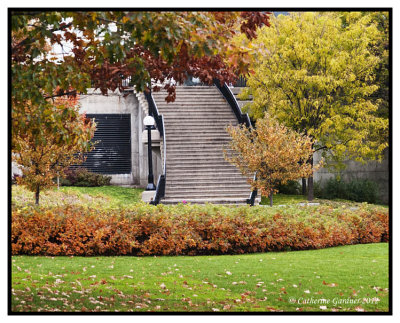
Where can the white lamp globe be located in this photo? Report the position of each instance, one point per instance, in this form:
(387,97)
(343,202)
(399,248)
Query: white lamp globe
(148,121)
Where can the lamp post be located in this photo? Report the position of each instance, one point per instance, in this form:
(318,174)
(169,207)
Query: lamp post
(149,123)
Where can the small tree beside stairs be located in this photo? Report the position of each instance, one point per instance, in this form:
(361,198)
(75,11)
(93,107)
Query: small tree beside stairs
(277,153)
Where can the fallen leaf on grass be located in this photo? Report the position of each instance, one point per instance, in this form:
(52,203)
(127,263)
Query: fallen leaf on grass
(329,285)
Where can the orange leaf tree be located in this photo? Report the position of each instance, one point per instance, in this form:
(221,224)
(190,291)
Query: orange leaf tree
(42,158)
(276,153)
(54,53)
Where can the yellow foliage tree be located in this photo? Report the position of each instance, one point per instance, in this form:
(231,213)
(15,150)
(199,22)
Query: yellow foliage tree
(317,74)
(43,158)
(276,153)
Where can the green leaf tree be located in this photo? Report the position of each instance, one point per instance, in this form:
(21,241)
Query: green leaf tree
(317,75)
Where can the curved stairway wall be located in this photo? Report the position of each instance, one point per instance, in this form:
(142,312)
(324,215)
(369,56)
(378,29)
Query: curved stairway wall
(195,130)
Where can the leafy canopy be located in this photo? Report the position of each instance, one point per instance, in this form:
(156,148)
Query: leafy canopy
(277,153)
(56,53)
(43,160)
(316,75)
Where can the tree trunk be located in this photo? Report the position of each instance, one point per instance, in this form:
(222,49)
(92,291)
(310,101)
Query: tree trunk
(37,195)
(304,186)
(310,196)
(271,199)
(310,183)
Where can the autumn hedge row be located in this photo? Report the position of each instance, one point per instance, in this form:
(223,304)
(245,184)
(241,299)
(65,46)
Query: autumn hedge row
(192,230)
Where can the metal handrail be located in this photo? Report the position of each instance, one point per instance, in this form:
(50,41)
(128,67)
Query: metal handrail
(243,118)
(153,111)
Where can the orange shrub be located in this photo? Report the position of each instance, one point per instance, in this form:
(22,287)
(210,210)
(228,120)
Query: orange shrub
(192,230)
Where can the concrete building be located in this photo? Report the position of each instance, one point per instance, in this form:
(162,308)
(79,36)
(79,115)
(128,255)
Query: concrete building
(131,108)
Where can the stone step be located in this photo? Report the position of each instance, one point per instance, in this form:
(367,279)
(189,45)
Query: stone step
(221,194)
(199,134)
(174,145)
(195,88)
(183,92)
(207,183)
(194,111)
(198,113)
(209,188)
(186,196)
(173,159)
(188,122)
(202,142)
(205,200)
(213,160)
(184,190)
(212,186)
(192,124)
(179,175)
(222,186)
(216,177)
(171,153)
(177,146)
(196,133)
(221,143)
(188,130)
(220,115)
(187,89)
(192,97)
(210,98)
(197,124)
(208,107)
(204,136)
(194,159)
(183,117)
(201,174)
(189,165)
(211,167)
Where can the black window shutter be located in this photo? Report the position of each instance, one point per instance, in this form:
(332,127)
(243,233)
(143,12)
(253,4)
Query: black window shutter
(112,153)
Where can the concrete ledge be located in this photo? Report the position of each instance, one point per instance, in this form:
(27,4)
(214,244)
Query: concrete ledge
(155,137)
(148,196)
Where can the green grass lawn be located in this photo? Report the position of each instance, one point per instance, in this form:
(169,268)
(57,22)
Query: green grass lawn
(103,196)
(116,196)
(286,199)
(348,278)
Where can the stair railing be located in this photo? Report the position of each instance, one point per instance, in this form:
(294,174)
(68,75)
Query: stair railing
(243,118)
(159,119)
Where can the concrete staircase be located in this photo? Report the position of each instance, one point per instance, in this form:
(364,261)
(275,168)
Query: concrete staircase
(195,137)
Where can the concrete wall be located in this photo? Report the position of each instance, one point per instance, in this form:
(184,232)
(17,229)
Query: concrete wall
(94,102)
(374,171)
